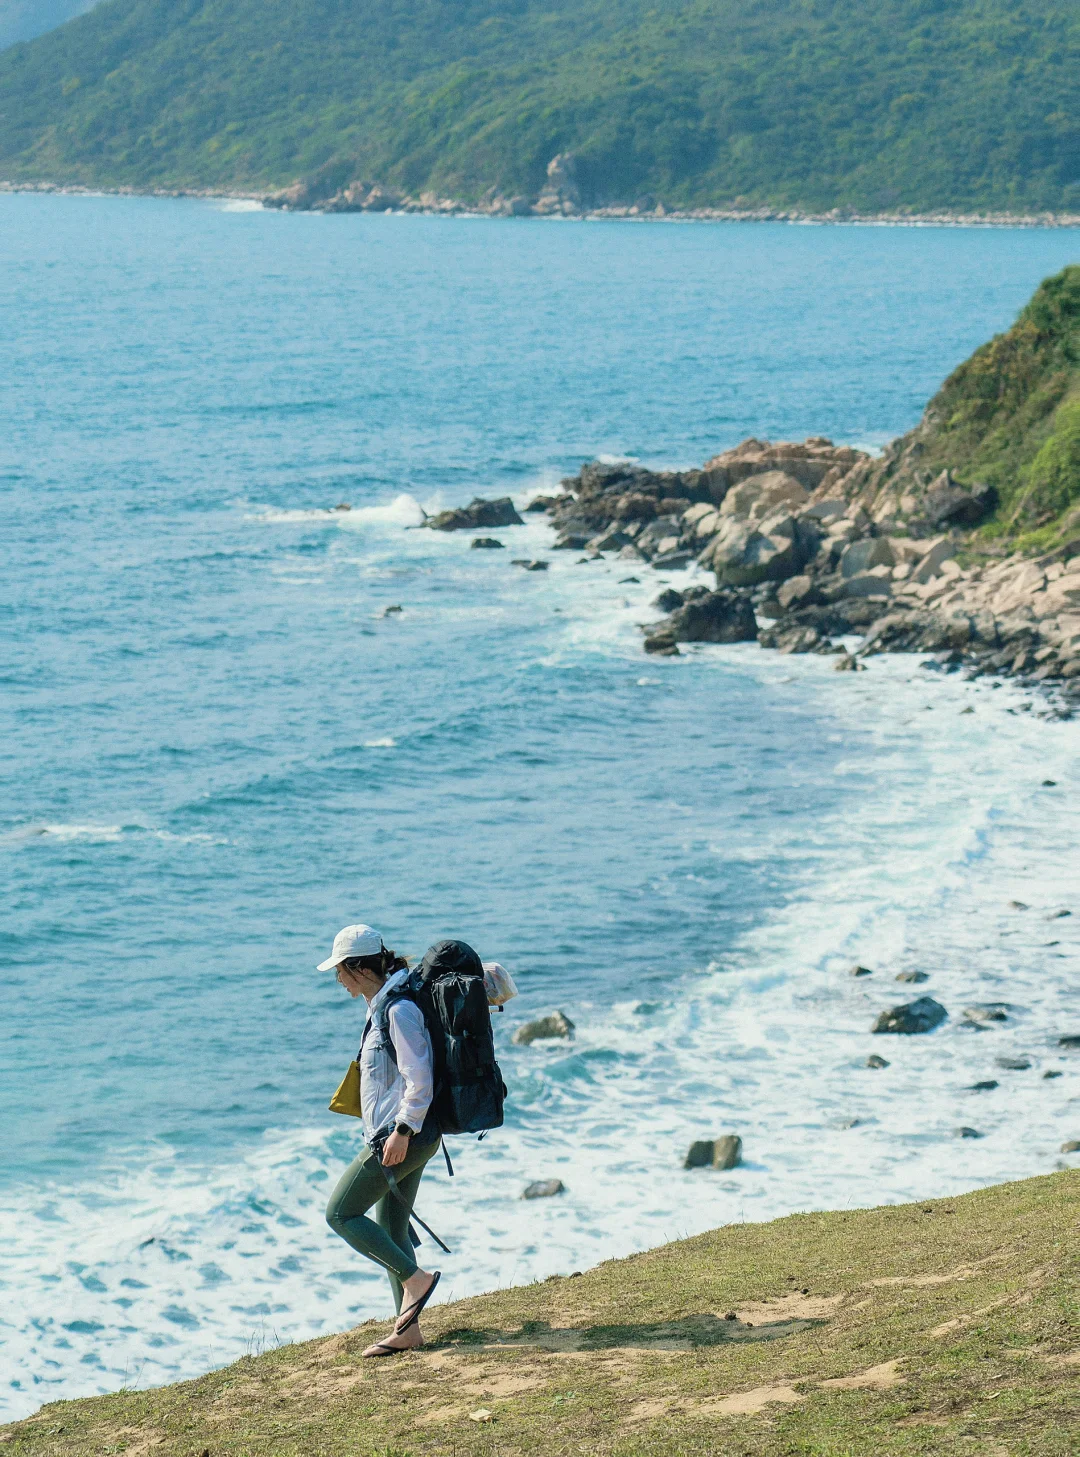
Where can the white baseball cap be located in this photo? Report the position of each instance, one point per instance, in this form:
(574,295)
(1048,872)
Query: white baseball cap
(352,941)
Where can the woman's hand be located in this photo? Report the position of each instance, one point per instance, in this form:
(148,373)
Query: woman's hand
(394,1149)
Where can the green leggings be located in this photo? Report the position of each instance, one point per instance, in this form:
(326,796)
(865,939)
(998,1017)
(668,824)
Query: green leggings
(384,1239)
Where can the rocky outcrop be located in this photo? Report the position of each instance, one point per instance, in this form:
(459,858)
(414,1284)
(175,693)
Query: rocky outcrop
(714,1153)
(798,532)
(544,1189)
(555,1024)
(479,513)
(912,1017)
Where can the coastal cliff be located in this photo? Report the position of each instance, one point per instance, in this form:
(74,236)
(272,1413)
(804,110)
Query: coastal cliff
(962,539)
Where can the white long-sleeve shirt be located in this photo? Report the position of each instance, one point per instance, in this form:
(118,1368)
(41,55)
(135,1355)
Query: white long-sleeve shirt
(392,1094)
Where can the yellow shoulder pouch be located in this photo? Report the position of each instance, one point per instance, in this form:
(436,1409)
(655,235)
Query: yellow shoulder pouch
(347,1098)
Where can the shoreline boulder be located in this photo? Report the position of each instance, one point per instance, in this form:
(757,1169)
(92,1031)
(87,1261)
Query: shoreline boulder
(477,513)
(714,1153)
(911,1017)
(555,1024)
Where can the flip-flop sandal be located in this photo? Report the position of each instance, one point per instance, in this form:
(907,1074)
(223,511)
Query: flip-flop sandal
(411,1314)
(380,1348)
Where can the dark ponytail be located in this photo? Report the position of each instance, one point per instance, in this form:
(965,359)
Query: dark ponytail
(384,963)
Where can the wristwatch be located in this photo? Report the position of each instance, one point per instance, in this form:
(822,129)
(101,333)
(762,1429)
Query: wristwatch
(403,1128)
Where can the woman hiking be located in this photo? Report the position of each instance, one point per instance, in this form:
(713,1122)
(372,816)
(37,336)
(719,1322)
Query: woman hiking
(396,1087)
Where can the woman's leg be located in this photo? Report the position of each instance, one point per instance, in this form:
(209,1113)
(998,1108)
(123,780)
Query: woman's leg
(395,1221)
(363,1185)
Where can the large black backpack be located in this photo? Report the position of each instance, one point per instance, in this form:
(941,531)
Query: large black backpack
(448,987)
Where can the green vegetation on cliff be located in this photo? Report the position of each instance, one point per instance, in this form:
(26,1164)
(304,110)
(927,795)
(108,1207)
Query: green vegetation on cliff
(1010,417)
(797,103)
(944,1327)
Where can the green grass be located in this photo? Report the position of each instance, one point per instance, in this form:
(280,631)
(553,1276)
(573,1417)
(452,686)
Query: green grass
(795,103)
(1010,416)
(952,1326)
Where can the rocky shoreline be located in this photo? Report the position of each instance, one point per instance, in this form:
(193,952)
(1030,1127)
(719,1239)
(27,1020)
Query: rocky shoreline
(373,197)
(810,543)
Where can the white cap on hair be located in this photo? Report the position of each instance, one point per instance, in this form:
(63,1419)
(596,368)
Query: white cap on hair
(352,941)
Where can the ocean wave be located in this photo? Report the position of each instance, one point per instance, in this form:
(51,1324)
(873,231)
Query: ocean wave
(403,510)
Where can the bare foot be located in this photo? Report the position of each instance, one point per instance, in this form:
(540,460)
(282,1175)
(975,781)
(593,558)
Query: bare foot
(415,1288)
(407,1340)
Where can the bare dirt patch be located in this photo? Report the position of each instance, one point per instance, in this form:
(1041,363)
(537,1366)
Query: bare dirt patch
(749,1403)
(874,1378)
(794,1307)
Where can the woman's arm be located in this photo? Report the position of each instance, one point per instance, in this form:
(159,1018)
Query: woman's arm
(415,1064)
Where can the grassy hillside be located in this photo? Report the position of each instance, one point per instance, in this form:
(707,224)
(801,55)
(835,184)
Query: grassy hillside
(1009,416)
(24,19)
(951,1326)
(811,103)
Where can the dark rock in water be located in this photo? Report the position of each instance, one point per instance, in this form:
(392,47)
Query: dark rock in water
(672,561)
(544,503)
(860,971)
(714,1153)
(1053,1073)
(544,1189)
(1018,905)
(967,1133)
(717,617)
(478,513)
(571,541)
(1058,915)
(521,561)
(985,1012)
(623,581)
(662,645)
(874,1061)
(1071,1039)
(912,976)
(390,611)
(846,663)
(1046,784)
(555,1024)
(486,543)
(986,1086)
(911,1017)
(1071,1145)
(668,600)
(1014,1064)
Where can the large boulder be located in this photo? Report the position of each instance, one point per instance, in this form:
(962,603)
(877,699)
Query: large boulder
(859,556)
(478,513)
(948,504)
(746,551)
(759,496)
(718,617)
(911,1017)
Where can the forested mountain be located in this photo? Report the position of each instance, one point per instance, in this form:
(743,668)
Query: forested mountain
(921,104)
(24,19)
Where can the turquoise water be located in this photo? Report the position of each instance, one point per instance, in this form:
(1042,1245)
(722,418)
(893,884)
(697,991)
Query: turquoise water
(215,750)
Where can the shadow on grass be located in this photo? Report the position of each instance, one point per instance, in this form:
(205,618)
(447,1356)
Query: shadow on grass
(672,1335)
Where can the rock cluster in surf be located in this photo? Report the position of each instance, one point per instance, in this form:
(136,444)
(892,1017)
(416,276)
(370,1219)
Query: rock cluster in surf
(802,537)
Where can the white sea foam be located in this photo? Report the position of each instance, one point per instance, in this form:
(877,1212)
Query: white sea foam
(386,743)
(403,510)
(83,832)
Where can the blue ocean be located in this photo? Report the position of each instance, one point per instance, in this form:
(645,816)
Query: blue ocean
(217,748)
